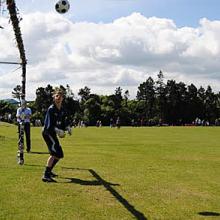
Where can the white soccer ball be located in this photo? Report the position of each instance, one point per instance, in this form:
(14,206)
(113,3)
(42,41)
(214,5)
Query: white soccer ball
(62,6)
(61,134)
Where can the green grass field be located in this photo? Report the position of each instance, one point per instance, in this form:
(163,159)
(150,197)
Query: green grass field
(108,174)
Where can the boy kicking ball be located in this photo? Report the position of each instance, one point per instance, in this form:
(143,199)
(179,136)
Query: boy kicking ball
(55,124)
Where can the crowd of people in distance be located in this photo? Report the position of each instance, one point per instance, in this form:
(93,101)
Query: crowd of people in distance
(112,123)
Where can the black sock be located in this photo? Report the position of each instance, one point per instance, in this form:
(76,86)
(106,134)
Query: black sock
(54,163)
(48,170)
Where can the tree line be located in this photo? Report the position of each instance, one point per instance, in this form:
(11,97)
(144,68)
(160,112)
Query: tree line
(157,103)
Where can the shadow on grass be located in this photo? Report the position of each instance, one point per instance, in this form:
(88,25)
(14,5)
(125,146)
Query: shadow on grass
(35,152)
(108,186)
(206,213)
(33,165)
(87,182)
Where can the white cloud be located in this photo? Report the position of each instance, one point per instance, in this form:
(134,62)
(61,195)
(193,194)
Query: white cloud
(103,56)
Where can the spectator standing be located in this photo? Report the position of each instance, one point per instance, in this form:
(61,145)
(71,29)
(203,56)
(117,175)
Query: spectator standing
(23,116)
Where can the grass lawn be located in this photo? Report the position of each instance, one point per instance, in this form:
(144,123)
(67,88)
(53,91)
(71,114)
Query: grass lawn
(170,173)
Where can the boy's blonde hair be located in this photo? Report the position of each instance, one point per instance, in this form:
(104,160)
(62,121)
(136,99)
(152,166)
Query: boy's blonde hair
(59,91)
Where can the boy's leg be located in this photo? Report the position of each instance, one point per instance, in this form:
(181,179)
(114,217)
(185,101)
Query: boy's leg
(51,162)
(20,152)
(56,153)
(55,161)
(28,136)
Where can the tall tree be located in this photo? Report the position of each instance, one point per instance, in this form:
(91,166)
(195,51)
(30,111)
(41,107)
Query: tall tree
(146,93)
(15,23)
(16,93)
(210,105)
(192,104)
(161,96)
(201,104)
(92,111)
(43,98)
(107,109)
(218,105)
(118,100)
(172,100)
(181,107)
(70,103)
(84,93)
(126,97)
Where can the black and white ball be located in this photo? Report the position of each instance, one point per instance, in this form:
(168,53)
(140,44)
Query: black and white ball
(62,6)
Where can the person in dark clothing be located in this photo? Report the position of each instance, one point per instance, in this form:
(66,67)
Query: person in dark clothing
(23,116)
(118,123)
(55,124)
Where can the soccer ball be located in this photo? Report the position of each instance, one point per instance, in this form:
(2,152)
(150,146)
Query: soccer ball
(60,133)
(62,6)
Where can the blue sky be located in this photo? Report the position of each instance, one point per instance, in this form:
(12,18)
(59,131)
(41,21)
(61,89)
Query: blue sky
(104,44)
(183,12)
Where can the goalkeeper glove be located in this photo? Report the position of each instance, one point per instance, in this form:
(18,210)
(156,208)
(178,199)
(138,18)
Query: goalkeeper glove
(60,133)
(69,130)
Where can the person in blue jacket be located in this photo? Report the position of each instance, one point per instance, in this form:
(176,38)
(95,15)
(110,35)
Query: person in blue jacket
(55,124)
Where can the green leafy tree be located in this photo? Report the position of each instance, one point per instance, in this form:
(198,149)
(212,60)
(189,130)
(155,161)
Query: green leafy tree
(172,102)
(43,99)
(192,104)
(107,109)
(160,97)
(84,94)
(146,94)
(92,110)
(210,105)
(117,98)
(70,103)
(16,92)
(5,109)
(201,102)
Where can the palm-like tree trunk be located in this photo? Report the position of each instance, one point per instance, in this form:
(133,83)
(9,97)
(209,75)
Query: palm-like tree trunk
(15,23)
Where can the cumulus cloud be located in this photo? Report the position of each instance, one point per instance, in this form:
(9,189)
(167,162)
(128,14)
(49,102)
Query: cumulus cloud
(103,56)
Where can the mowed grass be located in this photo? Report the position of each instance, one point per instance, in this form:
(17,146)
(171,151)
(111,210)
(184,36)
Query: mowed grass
(109,174)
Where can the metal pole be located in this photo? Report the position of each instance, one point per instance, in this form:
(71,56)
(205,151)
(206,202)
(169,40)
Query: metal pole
(2,62)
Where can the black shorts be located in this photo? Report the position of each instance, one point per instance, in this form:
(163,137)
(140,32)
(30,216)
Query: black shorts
(53,145)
